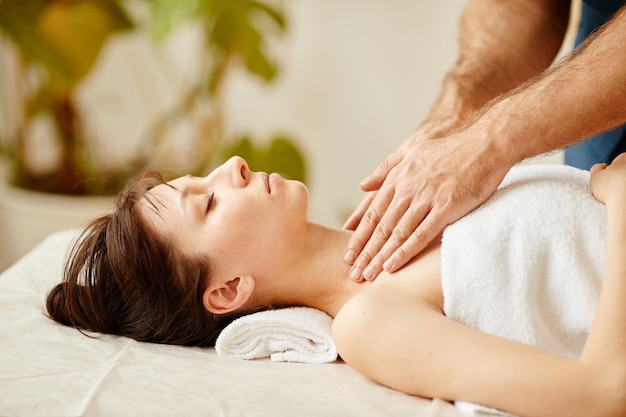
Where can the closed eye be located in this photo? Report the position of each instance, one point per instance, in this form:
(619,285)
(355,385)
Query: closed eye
(210,202)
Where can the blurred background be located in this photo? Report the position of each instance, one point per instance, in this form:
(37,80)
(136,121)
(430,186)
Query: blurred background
(319,90)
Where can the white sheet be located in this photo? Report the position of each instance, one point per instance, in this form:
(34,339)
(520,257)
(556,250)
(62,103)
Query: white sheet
(50,370)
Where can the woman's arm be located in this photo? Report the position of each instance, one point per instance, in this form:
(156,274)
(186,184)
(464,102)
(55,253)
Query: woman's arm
(607,339)
(406,343)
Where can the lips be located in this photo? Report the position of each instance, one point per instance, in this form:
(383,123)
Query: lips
(272,180)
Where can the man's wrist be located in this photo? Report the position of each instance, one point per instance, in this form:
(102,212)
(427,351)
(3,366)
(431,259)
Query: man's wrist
(450,112)
(493,132)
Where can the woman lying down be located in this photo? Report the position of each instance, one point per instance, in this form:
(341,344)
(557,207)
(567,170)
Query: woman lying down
(500,312)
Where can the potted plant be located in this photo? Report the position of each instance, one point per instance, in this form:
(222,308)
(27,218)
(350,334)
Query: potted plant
(59,42)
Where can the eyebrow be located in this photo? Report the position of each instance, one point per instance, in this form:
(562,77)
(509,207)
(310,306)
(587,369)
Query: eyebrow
(184,193)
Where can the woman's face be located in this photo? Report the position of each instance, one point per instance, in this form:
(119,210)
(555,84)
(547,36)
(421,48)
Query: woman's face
(242,220)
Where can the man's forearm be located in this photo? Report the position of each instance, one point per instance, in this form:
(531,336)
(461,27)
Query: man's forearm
(502,44)
(581,96)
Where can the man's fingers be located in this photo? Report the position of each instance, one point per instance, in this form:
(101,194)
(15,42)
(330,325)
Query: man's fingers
(428,184)
(373,181)
(426,231)
(376,179)
(369,262)
(384,243)
(371,218)
(415,230)
(355,218)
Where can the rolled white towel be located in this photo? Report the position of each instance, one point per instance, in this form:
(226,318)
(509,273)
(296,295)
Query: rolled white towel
(297,334)
(480,410)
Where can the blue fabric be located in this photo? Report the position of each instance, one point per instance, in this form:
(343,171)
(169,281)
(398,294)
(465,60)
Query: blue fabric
(605,146)
(609,7)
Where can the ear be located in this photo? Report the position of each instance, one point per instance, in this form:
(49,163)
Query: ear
(225,297)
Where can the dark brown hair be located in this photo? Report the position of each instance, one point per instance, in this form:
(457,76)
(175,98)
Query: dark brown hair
(125,279)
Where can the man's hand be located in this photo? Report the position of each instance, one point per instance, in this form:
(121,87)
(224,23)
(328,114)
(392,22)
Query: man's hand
(421,188)
(445,117)
(429,183)
(374,181)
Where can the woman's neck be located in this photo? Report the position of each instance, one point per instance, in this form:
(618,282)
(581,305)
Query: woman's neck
(317,276)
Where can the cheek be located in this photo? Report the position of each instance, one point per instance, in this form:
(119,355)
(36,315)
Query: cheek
(246,249)
(240,232)
(257,236)
(256,231)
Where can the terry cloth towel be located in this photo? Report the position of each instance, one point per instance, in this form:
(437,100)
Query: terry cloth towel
(528,264)
(297,334)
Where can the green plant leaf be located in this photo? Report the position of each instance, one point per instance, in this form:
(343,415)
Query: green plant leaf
(167,15)
(281,155)
(18,21)
(243,147)
(77,30)
(273,14)
(240,31)
(63,37)
(258,63)
(285,158)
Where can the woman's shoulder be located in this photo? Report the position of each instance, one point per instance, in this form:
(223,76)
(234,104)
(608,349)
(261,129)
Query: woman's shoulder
(362,314)
(373,309)
(360,309)
(417,282)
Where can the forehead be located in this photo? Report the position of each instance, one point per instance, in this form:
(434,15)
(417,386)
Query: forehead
(163,195)
(158,204)
(171,191)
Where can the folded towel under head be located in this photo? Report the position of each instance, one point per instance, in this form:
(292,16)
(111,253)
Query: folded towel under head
(297,334)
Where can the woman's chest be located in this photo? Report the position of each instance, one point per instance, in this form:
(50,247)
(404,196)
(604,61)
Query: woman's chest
(420,278)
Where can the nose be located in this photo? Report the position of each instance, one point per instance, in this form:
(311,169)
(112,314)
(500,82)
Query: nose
(239,171)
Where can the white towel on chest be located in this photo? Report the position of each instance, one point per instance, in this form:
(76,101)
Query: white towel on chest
(528,264)
(298,334)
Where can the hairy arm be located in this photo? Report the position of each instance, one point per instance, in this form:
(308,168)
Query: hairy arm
(501,45)
(579,97)
(429,184)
